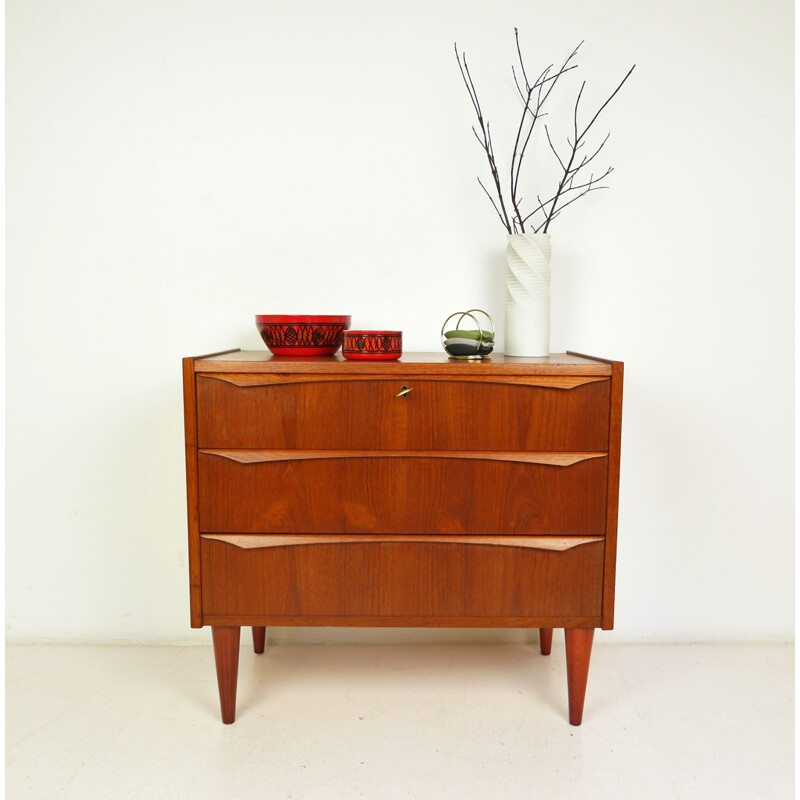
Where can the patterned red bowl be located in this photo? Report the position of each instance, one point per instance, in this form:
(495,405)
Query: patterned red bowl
(372,345)
(302,334)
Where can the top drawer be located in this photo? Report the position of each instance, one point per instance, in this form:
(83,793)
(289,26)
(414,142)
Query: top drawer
(286,412)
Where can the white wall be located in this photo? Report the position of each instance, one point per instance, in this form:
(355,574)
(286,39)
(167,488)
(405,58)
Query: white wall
(174,168)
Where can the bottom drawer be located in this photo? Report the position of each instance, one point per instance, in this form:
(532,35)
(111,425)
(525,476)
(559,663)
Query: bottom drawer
(277,575)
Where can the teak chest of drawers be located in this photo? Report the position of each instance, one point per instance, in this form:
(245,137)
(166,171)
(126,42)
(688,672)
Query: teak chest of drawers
(420,492)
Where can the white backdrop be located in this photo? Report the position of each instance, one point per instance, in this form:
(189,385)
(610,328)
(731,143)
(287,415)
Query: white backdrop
(174,168)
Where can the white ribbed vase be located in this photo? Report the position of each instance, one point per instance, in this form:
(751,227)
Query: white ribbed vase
(527,331)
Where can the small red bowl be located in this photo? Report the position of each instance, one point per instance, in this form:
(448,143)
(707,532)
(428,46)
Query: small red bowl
(302,334)
(372,345)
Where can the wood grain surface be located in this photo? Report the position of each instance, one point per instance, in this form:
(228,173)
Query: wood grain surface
(612,512)
(226,657)
(401,579)
(545,641)
(402,495)
(579,650)
(259,638)
(428,621)
(190,436)
(438,363)
(436,415)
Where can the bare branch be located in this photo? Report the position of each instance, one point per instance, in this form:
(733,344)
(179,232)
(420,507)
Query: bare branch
(570,172)
(552,147)
(590,189)
(586,129)
(541,208)
(540,83)
(538,208)
(590,184)
(480,141)
(575,115)
(467,83)
(536,113)
(543,78)
(491,200)
(521,63)
(586,160)
(534,96)
(516,83)
(484,138)
(489,140)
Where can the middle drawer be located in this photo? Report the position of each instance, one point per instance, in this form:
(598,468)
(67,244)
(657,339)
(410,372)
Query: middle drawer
(252,491)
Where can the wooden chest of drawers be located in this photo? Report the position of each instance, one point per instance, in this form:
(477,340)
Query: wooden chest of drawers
(421,492)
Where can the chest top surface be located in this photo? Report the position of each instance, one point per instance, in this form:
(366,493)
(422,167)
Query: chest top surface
(408,364)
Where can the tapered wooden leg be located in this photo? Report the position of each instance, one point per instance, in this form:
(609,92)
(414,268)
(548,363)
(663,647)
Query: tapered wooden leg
(545,640)
(226,654)
(579,650)
(259,638)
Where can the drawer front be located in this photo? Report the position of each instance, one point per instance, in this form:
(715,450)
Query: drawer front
(344,492)
(307,412)
(400,578)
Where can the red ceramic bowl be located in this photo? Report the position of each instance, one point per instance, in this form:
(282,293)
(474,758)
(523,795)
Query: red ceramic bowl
(302,334)
(372,345)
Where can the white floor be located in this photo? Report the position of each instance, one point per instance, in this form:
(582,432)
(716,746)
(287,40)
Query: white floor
(423,721)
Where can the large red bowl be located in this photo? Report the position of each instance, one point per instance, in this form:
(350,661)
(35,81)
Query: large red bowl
(302,334)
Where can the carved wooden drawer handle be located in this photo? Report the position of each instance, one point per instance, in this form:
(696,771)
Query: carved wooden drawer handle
(260,541)
(247,380)
(266,456)
(405,390)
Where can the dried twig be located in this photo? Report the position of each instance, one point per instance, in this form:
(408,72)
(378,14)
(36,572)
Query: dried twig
(568,178)
(484,139)
(534,96)
(535,113)
(588,186)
